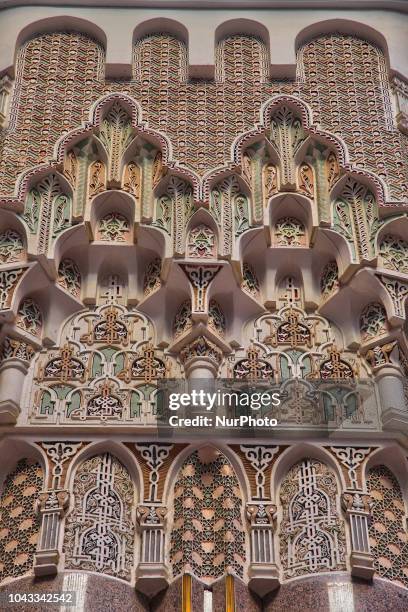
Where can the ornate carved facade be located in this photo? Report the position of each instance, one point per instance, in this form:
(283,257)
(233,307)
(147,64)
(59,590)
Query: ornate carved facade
(243,230)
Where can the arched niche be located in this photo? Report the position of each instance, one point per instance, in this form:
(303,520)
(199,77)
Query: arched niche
(100,524)
(207,534)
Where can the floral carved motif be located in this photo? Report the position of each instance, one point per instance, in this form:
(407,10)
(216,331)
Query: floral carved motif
(29,317)
(69,277)
(11,247)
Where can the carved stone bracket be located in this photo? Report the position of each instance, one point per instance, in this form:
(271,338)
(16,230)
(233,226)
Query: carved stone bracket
(200,278)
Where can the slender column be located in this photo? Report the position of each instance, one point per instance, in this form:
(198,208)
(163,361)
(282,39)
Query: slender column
(394,409)
(52,506)
(357,507)
(13,369)
(151,573)
(262,572)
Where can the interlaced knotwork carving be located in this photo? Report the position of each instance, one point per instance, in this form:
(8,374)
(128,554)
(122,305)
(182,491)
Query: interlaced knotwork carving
(250,280)
(19,524)
(8,283)
(182,320)
(291,331)
(113,227)
(335,367)
(105,403)
(216,318)
(290,232)
(29,317)
(151,281)
(201,242)
(110,328)
(147,366)
(104,370)
(329,280)
(207,536)
(373,321)
(64,367)
(388,535)
(253,368)
(11,247)
(311,532)
(394,253)
(99,531)
(69,277)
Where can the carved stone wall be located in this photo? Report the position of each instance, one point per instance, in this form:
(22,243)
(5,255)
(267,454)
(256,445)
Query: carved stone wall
(99,529)
(312,535)
(207,535)
(388,531)
(201,126)
(19,522)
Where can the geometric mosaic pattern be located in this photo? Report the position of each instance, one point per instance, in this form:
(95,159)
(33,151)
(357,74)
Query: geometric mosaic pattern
(388,532)
(19,523)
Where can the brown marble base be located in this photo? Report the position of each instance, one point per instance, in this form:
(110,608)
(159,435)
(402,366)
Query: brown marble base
(245,601)
(337,593)
(93,594)
(328,593)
